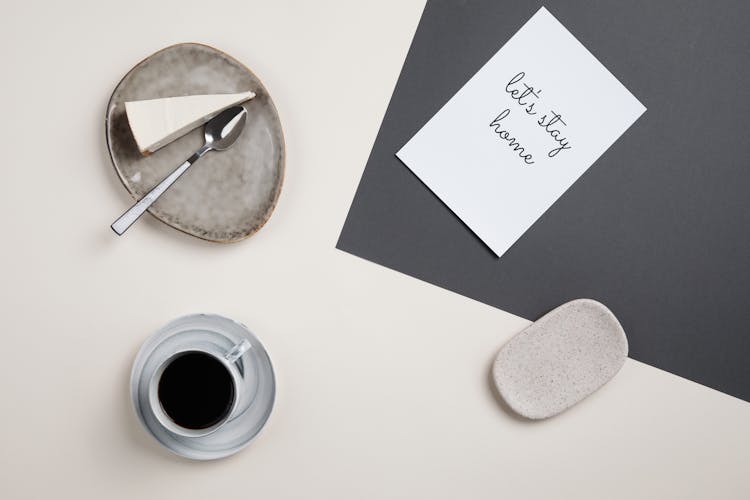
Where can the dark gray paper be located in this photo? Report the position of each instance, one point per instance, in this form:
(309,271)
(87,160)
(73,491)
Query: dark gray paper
(658,228)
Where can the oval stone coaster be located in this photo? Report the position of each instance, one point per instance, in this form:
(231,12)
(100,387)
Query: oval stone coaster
(560,359)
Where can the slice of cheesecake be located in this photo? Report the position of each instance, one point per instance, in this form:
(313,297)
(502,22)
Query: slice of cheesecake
(157,122)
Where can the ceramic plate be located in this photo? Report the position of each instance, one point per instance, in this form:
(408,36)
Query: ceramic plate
(226,196)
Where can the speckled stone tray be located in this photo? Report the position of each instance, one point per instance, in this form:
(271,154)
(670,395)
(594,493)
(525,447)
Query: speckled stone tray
(561,359)
(226,196)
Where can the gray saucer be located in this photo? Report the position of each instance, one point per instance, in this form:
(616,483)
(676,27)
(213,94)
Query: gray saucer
(254,383)
(227,196)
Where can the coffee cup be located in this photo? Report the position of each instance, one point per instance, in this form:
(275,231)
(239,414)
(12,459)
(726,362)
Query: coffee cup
(203,386)
(197,389)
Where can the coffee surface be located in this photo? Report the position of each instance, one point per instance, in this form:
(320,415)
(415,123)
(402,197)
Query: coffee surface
(196,390)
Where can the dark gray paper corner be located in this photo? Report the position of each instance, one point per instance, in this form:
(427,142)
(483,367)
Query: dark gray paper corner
(658,228)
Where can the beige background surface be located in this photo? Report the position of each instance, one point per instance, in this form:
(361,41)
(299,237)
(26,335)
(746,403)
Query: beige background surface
(383,380)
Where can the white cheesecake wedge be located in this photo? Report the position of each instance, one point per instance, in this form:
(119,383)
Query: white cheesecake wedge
(157,122)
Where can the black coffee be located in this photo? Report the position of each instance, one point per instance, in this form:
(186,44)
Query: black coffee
(196,390)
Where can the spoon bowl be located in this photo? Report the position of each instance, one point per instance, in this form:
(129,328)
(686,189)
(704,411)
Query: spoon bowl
(224,129)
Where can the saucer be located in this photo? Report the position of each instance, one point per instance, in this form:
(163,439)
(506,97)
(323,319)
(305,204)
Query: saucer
(227,196)
(254,364)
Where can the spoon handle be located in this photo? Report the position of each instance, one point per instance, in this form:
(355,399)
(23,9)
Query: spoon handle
(128,218)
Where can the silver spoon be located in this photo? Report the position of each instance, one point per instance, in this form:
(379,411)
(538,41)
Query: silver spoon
(220,133)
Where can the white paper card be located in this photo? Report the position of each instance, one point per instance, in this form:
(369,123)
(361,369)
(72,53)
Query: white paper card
(521,131)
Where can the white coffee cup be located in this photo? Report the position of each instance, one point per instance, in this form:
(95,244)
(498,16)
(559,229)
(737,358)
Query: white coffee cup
(227,358)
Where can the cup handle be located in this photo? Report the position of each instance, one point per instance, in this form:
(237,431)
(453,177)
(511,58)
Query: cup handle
(237,351)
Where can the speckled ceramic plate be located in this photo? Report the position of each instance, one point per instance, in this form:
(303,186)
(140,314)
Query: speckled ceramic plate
(226,196)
